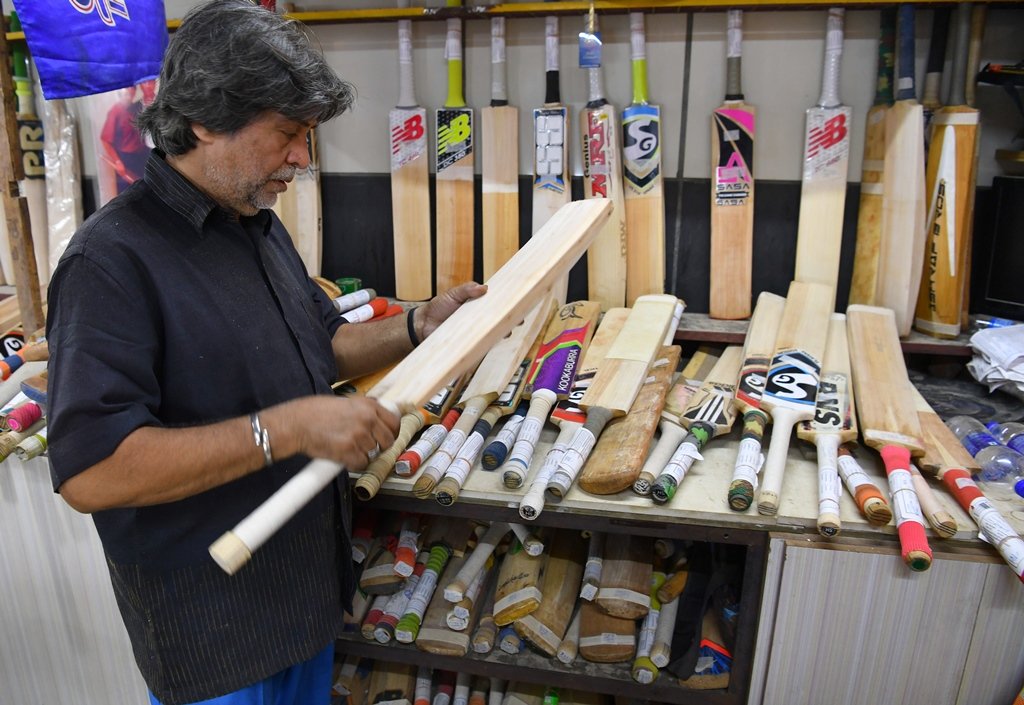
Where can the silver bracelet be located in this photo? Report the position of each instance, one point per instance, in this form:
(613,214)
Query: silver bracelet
(261,437)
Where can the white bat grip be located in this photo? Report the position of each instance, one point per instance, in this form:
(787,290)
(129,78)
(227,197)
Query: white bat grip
(551,43)
(638,46)
(672,434)
(783,420)
(234,549)
(456,590)
(498,92)
(406,93)
(833,55)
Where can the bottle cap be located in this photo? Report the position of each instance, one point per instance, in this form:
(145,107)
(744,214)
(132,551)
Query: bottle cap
(992,426)
(1018,487)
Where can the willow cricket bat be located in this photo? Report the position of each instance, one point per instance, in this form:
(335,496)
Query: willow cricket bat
(949,186)
(410,184)
(602,178)
(499,124)
(567,415)
(888,418)
(732,188)
(641,162)
(560,583)
(550,379)
(626,577)
(551,184)
(903,206)
(454,180)
(947,458)
(604,638)
(479,410)
(618,456)
(392,683)
(644,671)
(792,383)
(709,413)
(617,382)
(30,140)
(449,351)
(931,99)
(864,283)
(825,165)
(518,591)
(833,424)
(758,347)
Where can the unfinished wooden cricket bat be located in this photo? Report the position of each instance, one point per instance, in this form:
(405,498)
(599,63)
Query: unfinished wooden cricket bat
(888,418)
(518,592)
(560,583)
(604,638)
(792,382)
(626,577)
(469,332)
(393,683)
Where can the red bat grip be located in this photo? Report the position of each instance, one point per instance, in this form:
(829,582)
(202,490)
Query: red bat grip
(917,554)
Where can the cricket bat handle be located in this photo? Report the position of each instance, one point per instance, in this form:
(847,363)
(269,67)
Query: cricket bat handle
(533,502)
(829,485)
(234,548)
(775,463)
(456,590)
(373,477)
(578,451)
(941,521)
(992,524)
(748,461)
(517,465)
(672,434)
(917,554)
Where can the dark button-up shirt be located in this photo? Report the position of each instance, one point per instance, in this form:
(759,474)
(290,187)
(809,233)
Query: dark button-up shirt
(166,311)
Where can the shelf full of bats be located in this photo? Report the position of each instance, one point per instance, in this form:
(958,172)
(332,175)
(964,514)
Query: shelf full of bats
(627,421)
(454,587)
(916,198)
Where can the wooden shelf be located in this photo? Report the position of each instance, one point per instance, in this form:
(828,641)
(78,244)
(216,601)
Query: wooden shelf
(610,679)
(699,327)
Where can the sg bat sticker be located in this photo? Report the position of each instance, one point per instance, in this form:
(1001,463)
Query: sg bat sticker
(794,378)
(641,146)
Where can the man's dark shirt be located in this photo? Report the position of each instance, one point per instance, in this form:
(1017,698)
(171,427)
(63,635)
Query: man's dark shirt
(167,311)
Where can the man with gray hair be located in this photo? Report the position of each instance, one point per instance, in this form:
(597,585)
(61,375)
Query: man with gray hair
(191,367)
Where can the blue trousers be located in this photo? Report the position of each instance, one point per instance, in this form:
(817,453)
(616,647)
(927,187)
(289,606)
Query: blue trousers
(306,683)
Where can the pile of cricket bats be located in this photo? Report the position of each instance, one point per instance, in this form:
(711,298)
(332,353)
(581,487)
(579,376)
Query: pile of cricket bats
(455,586)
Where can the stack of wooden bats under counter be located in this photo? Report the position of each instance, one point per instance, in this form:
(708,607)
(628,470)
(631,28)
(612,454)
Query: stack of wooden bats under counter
(500,587)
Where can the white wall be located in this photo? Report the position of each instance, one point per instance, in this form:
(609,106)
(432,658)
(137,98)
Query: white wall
(782,74)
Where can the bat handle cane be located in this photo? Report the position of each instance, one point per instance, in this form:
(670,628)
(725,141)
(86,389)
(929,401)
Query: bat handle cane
(235,547)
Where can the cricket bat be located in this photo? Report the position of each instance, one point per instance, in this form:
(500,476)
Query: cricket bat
(947,458)
(410,184)
(865,492)
(550,379)
(518,591)
(833,424)
(626,577)
(591,580)
(709,413)
(499,124)
(825,166)
(478,399)
(644,671)
(949,185)
(979,12)
(758,347)
(454,179)
(792,382)
(931,99)
(456,589)
(30,139)
(864,283)
(450,350)
(567,415)
(617,382)
(619,453)
(641,169)
(560,583)
(551,181)
(732,188)
(602,178)
(903,206)
(435,636)
(393,683)
(888,418)
(604,638)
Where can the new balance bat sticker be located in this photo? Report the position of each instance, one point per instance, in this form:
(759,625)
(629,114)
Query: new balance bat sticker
(644,199)
(732,189)
(826,158)
(454,181)
(410,187)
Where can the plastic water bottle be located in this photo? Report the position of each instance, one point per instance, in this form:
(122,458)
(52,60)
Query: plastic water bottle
(999,464)
(1009,434)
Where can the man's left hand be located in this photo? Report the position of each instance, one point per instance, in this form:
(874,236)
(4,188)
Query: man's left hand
(437,310)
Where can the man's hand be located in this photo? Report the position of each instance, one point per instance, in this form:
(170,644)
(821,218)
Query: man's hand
(437,310)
